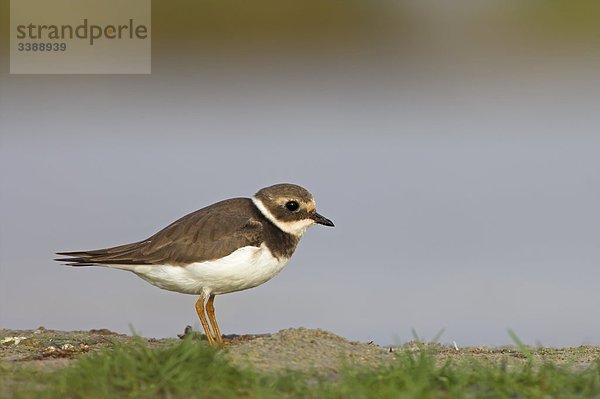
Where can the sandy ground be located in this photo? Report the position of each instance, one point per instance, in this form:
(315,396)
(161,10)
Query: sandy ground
(297,349)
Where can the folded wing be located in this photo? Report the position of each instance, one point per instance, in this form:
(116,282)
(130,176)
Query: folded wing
(207,234)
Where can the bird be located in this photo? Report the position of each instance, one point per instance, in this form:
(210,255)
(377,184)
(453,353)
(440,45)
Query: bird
(232,245)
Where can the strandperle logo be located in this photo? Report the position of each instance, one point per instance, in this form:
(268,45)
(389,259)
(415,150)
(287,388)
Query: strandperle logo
(87,31)
(80,37)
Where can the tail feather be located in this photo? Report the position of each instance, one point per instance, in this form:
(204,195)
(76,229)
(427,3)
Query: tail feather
(121,255)
(74,261)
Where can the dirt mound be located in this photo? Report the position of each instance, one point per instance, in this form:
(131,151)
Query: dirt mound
(306,349)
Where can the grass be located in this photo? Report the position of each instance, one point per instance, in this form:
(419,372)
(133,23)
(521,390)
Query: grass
(417,376)
(190,369)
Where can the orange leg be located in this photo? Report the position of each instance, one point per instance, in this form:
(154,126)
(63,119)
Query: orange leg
(210,311)
(202,316)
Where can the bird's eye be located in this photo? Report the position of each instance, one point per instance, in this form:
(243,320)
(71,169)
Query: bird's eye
(292,206)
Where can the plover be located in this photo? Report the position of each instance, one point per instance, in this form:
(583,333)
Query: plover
(229,246)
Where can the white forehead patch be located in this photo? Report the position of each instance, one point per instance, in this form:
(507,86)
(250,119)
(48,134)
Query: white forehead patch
(296,227)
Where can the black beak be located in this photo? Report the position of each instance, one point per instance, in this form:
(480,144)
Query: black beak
(322,220)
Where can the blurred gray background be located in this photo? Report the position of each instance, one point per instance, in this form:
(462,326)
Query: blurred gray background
(456,149)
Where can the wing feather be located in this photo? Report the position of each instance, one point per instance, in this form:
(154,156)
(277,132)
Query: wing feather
(207,234)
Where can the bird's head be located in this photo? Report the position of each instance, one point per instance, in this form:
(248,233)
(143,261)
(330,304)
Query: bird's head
(290,207)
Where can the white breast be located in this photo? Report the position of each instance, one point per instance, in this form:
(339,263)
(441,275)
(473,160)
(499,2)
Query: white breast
(245,268)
